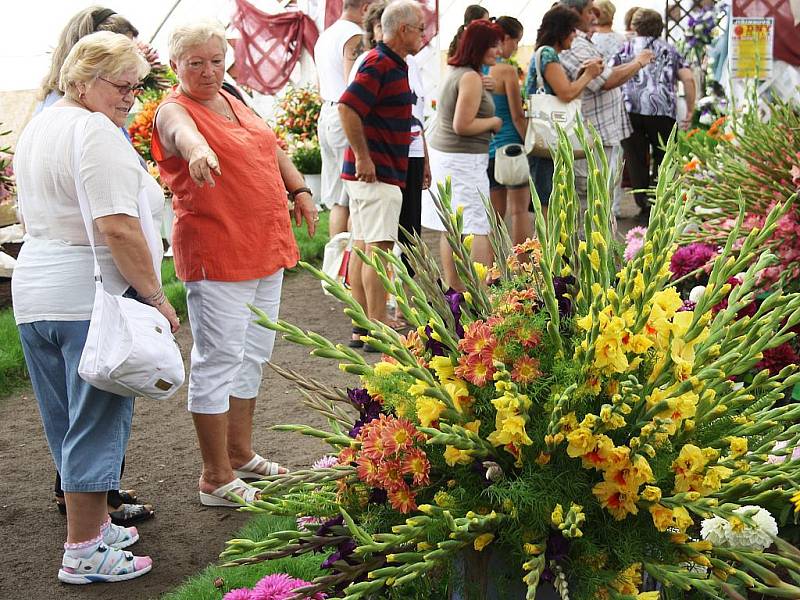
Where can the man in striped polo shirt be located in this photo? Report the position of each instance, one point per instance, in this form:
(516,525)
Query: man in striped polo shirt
(375,110)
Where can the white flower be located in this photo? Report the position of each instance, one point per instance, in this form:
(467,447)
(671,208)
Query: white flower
(706,118)
(720,532)
(697,293)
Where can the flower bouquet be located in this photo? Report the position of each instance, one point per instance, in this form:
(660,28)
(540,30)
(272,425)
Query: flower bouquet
(748,161)
(571,417)
(297,114)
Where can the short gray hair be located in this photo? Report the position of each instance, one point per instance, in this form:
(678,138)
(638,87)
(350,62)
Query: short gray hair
(194,34)
(398,13)
(578,5)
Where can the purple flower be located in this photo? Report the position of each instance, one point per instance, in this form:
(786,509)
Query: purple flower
(326,527)
(562,285)
(343,551)
(689,258)
(454,300)
(557,547)
(368,409)
(687,306)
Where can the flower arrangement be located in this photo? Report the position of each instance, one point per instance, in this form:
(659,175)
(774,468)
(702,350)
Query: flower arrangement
(748,160)
(7,181)
(572,416)
(297,114)
(141,126)
(699,32)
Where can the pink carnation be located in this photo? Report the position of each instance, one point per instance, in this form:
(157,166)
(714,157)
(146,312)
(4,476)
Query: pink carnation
(634,240)
(690,258)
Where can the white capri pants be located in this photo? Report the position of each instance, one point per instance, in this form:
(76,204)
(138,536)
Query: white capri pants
(230,348)
(468,180)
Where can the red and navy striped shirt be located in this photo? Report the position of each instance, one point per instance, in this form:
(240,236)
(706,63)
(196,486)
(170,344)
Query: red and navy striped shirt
(381,96)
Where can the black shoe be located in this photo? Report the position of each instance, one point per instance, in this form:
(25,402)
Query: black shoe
(357,343)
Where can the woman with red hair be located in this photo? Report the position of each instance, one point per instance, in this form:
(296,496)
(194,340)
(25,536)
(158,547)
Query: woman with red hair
(459,146)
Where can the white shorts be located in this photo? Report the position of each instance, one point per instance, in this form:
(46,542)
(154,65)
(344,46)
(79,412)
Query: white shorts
(332,144)
(468,179)
(374,210)
(230,348)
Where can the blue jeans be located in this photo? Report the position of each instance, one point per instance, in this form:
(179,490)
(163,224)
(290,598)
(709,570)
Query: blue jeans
(87,429)
(542,170)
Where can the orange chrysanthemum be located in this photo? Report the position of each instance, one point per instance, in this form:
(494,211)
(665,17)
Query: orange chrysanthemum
(402,499)
(416,464)
(526,370)
(475,369)
(390,475)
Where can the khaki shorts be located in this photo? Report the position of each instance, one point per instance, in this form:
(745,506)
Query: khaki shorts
(374,210)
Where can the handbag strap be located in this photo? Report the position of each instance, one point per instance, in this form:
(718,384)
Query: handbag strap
(145,216)
(538,70)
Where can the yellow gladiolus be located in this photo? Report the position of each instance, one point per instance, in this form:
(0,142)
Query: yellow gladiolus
(482,541)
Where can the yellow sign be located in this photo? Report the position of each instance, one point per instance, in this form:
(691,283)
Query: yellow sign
(751,42)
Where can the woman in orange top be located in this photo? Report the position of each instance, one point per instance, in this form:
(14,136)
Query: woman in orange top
(232,240)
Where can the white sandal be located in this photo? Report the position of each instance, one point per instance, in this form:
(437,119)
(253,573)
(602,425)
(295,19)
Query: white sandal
(105,565)
(219,496)
(258,467)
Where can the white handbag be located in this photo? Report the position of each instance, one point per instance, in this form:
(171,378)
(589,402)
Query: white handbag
(545,111)
(130,349)
(511,165)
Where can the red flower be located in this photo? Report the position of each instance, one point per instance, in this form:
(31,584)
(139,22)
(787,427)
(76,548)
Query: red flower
(416,464)
(402,499)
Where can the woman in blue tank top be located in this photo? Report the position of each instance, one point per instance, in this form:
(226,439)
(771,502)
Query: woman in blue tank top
(508,106)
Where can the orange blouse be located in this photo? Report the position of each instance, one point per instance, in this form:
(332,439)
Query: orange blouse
(239,229)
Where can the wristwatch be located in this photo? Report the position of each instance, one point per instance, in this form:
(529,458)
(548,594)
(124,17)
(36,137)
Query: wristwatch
(294,193)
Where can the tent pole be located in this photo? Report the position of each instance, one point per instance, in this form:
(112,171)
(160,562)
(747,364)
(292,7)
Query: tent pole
(164,20)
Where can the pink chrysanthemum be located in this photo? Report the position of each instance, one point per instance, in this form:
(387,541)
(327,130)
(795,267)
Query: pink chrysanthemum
(634,240)
(279,586)
(238,594)
(326,462)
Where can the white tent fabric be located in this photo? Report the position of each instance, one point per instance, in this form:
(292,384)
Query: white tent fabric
(30,28)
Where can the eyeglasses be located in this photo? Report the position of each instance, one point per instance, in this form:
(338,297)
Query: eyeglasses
(126,89)
(420,28)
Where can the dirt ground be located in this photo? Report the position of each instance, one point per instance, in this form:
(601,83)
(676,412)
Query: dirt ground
(163,465)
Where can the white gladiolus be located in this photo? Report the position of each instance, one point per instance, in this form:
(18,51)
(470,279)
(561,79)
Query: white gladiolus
(720,532)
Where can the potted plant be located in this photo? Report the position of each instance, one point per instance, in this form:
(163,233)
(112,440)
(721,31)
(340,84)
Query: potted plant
(307,157)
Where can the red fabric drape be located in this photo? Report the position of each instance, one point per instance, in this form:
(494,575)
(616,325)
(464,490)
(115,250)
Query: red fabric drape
(333,10)
(270,46)
(787,34)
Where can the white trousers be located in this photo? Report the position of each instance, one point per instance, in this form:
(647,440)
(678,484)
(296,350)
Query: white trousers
(230,348)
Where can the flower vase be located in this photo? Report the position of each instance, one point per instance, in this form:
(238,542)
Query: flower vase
(314,182)
(492,575)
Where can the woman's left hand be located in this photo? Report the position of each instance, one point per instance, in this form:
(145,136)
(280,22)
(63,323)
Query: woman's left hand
(426,175)
(304,208)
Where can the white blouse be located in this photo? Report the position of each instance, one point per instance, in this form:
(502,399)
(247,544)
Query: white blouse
(53,279)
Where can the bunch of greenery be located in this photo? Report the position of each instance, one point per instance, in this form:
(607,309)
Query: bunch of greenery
(749,159)
(307,157)
(573,417)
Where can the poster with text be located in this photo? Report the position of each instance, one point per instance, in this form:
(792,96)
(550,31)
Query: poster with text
(751,47)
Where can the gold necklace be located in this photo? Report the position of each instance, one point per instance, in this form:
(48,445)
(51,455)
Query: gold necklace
(226,110)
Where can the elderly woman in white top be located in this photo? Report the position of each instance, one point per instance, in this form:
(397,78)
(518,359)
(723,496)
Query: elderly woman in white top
(53,286)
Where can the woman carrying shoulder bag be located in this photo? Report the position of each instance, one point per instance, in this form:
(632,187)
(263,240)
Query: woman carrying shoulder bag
(53,286)
(508,106)
(555,35)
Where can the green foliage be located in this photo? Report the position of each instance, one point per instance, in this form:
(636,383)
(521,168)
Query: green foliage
(201,586)
(308,158)
(13,373)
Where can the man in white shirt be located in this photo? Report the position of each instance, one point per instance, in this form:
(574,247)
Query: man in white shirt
(336,50)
